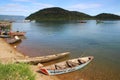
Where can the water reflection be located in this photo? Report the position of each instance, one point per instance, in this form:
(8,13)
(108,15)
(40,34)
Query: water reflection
(51,27)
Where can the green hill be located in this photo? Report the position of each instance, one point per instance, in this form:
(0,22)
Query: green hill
(57,13)
(107,16)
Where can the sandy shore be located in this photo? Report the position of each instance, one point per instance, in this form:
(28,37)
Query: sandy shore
(8,53)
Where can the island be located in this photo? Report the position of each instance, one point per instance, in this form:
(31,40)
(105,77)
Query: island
(60,14)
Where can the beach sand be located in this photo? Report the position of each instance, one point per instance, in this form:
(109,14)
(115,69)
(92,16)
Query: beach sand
(8,53)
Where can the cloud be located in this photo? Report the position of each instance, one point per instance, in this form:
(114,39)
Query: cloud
(21,8)
(84,6)
(12,8)
(42,5)
(22,0)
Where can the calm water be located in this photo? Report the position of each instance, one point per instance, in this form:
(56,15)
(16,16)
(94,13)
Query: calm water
(81,39)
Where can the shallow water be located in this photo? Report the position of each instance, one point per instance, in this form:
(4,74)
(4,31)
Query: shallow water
(82,39)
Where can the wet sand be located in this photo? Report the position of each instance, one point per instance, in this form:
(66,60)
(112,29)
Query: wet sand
(8,53)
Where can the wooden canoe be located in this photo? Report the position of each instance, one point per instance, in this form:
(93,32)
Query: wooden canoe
(83,22)
(13,41)
(5,36)
(99,21)
(17,33)
(42,59)
(16,39)
(66,66)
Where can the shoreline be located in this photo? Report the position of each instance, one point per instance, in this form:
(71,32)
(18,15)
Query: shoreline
(8,53)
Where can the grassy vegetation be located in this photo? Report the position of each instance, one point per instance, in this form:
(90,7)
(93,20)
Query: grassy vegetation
(16,72)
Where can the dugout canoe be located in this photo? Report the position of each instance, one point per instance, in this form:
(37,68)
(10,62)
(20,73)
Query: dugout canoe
(17,33)
(16,39)
(66,66)
(42,59)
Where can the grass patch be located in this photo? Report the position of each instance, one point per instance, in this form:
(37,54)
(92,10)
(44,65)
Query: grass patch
(16,72)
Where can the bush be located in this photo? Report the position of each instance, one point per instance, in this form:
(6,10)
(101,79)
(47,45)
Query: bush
(16,72)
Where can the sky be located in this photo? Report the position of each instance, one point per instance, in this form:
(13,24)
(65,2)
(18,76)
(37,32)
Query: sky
(27,7)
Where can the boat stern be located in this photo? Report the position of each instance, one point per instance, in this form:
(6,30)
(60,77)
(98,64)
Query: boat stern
(44,71)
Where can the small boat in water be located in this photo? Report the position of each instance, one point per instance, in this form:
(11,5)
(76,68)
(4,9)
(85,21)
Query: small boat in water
(99,21)
(14,40)
(83,22)
(17,33)
(5,36)
(66,66)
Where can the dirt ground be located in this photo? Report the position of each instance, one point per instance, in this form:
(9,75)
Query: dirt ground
(8,53)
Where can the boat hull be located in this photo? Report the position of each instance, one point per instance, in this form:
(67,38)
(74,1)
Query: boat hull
(42,59)
(14,41)
(17,33)
(5,36)
(62,71)
(55,72)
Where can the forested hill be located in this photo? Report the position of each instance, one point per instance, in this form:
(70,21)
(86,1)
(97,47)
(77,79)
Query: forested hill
(107,16)
(56,13)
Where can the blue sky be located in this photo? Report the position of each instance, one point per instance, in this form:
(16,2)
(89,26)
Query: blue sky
(91,7)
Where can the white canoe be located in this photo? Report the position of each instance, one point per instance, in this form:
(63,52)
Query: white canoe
(14,40)
(66,66)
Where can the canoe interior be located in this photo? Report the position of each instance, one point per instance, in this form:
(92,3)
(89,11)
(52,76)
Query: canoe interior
(66,66)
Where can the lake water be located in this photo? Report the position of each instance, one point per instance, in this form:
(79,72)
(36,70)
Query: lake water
(81,39)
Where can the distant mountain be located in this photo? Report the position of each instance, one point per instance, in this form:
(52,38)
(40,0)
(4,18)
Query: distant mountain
(56,13)
(12,18)
(107,16)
